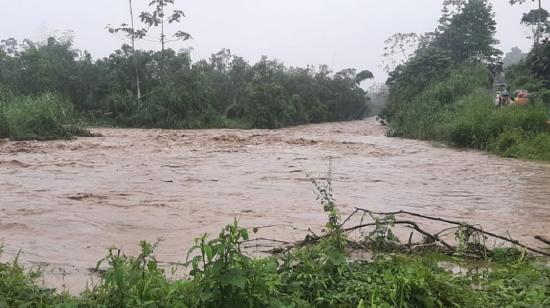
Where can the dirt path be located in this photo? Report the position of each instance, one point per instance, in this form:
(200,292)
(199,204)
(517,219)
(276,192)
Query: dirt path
(65,202)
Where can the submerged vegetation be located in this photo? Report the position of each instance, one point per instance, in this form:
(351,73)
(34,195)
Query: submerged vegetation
(445,90)
(319,272)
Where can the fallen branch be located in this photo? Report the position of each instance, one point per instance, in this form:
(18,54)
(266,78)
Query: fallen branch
(435,238)
(510,240)
(263,239)
(542,239)
(410,224)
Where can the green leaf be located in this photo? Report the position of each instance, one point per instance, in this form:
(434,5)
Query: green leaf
(233,277)
(207,249)
(336,258)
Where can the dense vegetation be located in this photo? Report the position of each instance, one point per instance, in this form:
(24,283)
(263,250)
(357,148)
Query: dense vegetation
(322,273)
(445,90)
(42,117)
(225,91)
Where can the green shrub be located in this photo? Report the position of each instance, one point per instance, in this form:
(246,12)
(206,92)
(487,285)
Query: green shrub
(506,142)
(421,116)
(43,117)
(537,147)
(19,288)
(222,275)
(471,124)
(459,109)
(5,97)
(4,133)
(479,125)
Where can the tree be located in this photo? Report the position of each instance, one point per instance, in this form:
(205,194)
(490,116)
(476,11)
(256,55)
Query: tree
(469,33)
(399,48)
(450,9)
(515,56)
(10,46)
(133,34)
(538,61)
(539,18)
(362,76)
(159,17)
(538,21)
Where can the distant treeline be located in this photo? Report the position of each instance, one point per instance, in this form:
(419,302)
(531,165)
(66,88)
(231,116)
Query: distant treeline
(225,91)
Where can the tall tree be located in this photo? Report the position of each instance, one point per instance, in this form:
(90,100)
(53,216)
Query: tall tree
(398,49)
(132,34)
(469,34)
(536,15)
(537,20)
(161,17)
(515,56)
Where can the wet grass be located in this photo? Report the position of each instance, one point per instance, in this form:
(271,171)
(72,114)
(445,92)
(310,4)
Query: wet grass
(514,131)
(459,110)
(43,117)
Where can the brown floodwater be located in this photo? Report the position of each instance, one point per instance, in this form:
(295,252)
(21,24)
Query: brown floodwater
(63,203)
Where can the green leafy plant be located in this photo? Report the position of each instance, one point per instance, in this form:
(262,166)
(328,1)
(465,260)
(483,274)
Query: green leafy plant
(382,238)
(43,117)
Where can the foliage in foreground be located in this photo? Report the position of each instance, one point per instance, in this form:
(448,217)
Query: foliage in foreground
(314,276)
(42,117)
(321,274)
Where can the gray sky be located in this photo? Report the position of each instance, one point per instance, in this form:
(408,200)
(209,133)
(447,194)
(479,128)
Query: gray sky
(340,33)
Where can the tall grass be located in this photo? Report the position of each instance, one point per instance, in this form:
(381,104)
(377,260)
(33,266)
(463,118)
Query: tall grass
(43,117)
(459,109)
(426,115)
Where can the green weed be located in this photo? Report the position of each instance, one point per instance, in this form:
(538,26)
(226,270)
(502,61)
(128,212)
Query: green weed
(319,273)
(43,117)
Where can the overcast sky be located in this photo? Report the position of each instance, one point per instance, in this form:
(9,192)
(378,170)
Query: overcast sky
(340,33)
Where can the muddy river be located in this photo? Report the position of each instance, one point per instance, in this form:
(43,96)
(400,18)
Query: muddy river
(63,203)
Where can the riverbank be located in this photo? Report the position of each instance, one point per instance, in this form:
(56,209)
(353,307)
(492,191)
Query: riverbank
(320,273)
(459,110)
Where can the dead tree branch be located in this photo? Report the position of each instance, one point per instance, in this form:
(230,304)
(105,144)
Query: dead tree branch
(457,223)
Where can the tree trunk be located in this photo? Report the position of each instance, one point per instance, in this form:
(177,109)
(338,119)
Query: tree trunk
(162,42)
(138,86)
(538,34)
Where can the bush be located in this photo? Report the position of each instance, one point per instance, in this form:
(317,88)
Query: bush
(312,276)
(537,147)
(421,115)
(5,96)
(479,125)
(18,288)
(459,109)
(471,121)
(506,142)
(43,117)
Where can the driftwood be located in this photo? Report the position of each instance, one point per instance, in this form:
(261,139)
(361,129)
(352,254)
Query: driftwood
(410,224)
(456,223)
(433,237)
(542,239)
